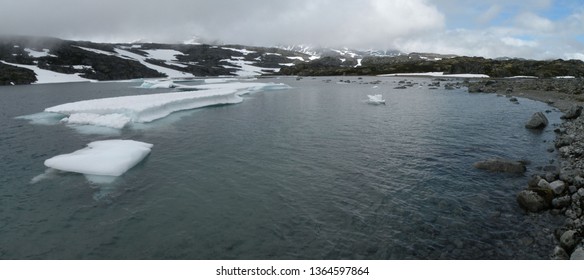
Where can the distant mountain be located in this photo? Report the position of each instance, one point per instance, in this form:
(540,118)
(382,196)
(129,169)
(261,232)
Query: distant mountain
(25,60)
(339,52)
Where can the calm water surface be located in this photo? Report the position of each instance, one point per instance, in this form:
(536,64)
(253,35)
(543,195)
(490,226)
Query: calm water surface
(311,172)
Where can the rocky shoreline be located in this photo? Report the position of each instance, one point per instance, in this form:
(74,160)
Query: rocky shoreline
(558,189)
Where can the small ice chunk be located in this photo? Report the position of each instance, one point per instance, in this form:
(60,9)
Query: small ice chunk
(104,158)
(158,84)
(376,99)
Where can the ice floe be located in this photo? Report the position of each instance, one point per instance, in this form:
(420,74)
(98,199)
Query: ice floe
(376,99)
(117,112)
(102,158)
(158,84)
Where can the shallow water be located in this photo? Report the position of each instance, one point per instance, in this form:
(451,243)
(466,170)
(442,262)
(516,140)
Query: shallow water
(312,172)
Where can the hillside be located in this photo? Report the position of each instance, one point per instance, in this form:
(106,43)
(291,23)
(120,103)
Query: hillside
(421,63)
(57,60)
(26,60)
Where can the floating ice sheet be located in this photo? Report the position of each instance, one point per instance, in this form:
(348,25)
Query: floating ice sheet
(117,112)
(102,158)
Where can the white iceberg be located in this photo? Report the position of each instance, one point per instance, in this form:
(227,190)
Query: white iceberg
(102,158)
(376,99)
(117,112)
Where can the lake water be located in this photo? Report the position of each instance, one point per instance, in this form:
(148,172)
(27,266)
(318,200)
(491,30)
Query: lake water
(312,172)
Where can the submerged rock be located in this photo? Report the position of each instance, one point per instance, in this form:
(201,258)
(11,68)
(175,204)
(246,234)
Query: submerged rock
(501,165)
(532,201)
(537,121)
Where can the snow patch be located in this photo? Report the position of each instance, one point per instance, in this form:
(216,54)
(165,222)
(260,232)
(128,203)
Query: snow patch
(163,54)
(245,69)
(102,158)
(37,54)
(296,57)
(171,73)
(522,77)
(243,51)
(47,77)
(96,51)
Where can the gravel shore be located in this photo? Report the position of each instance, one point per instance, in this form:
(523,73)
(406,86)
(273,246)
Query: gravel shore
(561,190)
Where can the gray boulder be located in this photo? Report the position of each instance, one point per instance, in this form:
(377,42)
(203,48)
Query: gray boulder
(574,112)
(501,165)
(531,201)
(538,120)
(579,181)
(558,186)
(559,254)
(569,240)
(578,254)
(544,184)
(561,202)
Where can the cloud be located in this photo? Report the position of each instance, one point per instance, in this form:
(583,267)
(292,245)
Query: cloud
(263,22)
(489,14)
(492,28)
(530,21)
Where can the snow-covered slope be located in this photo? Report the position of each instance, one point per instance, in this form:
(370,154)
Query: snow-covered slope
(53,60)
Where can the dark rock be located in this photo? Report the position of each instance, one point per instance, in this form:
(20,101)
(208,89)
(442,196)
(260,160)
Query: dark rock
(538,120)
(574,112)
(531,201)
(513,99)
(564,140)
(533,181)
(561,202)
(579,181)
(501,165)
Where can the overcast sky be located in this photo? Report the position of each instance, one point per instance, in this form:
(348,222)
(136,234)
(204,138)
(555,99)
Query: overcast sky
(537,29)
